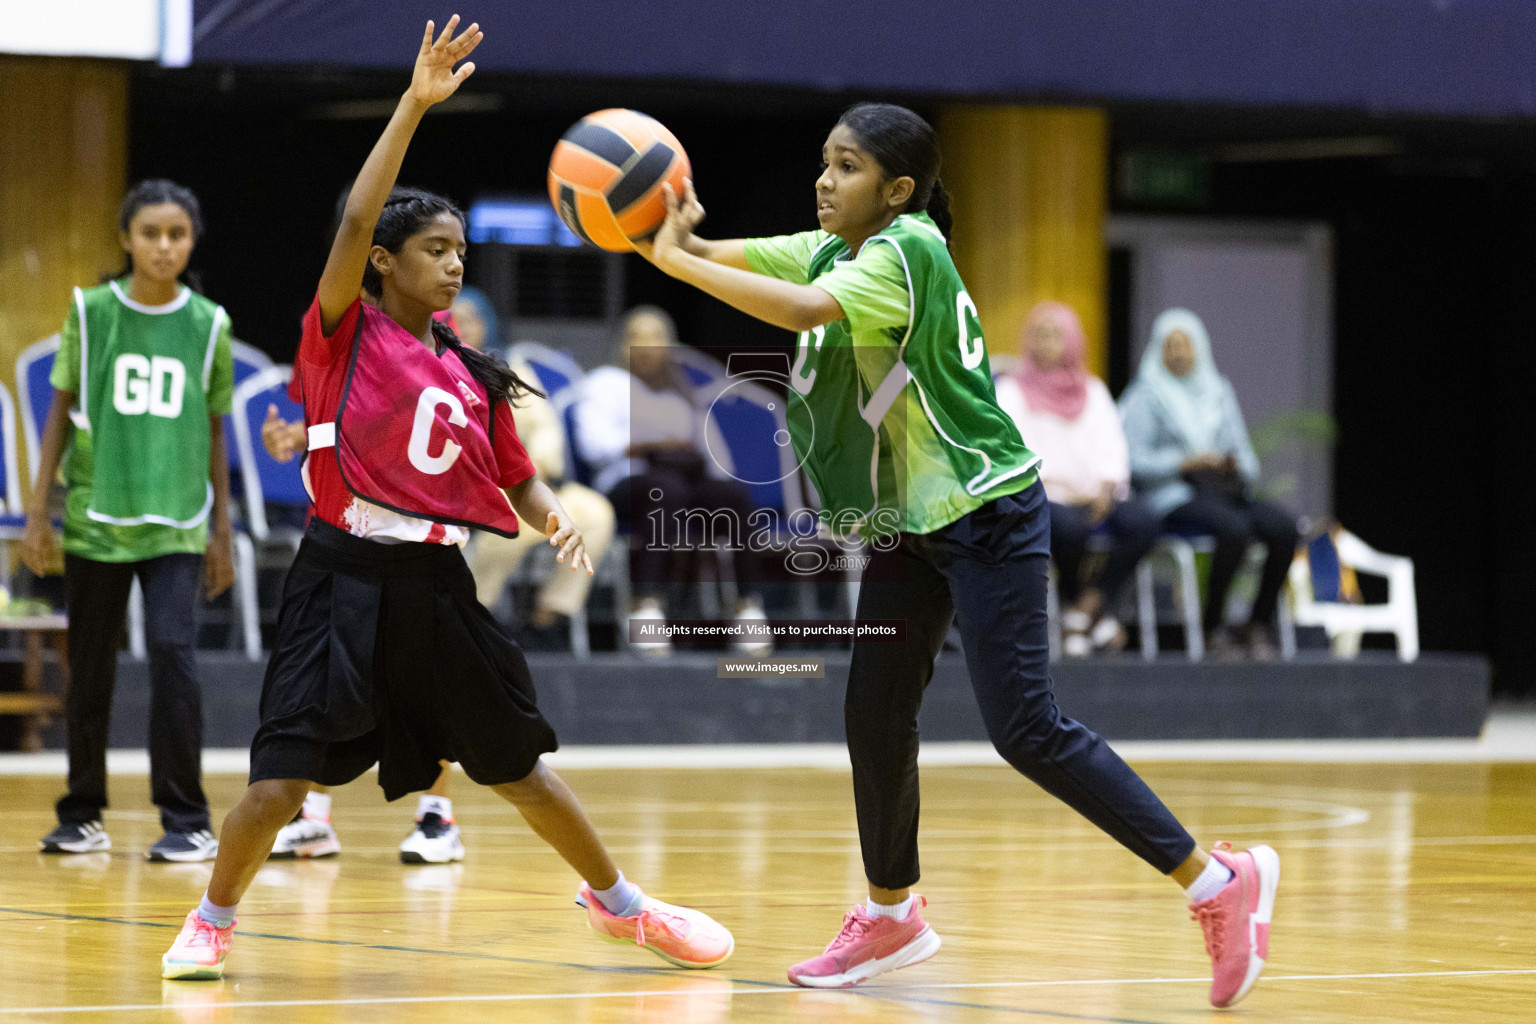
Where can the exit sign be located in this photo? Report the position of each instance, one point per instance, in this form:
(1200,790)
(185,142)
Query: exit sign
(1160,176)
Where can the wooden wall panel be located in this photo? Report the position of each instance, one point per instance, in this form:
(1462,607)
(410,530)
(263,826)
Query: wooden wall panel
(63,154)
(1029,193)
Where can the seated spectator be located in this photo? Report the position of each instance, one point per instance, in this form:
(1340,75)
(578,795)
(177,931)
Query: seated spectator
(641,432)
(473,318)
(1068,418)
(1191,456)
(493,559)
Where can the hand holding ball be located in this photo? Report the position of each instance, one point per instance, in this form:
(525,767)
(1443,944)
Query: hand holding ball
(606,176)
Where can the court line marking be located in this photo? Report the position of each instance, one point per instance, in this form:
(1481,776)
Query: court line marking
(1507,739)
(760,988)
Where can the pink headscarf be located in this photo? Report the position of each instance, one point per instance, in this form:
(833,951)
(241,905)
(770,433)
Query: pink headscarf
(1062,390)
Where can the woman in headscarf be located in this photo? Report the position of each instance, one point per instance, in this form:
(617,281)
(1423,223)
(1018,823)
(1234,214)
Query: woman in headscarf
(642,432)
(1191,456)
(1068,418)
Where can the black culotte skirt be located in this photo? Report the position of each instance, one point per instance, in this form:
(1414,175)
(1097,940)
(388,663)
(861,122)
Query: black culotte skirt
(384,655)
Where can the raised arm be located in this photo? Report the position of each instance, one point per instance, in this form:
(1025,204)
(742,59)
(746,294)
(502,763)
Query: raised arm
(432,81)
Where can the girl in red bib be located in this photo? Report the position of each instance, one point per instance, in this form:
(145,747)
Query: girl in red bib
(383,653)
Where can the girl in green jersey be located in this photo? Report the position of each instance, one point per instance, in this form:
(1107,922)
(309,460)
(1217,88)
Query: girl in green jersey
(142,381)
(893,412)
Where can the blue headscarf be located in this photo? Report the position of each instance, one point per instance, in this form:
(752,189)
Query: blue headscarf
(473,296)
(1195,402)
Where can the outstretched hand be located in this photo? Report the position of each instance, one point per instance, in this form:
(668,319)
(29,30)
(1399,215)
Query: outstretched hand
(684,213)
(434,79)
(572,545)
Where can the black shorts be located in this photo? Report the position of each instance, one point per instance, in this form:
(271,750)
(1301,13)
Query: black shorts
(383,654)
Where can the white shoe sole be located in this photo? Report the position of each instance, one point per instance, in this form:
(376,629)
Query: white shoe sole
(175,971)
(202,853)
(309,851)
(923,945)
(1267,864)
(417,857)
(93,845)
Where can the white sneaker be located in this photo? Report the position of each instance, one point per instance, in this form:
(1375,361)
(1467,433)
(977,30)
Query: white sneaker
(88,837)
(750,617)
(435,841)
(184,847)
(650,611)
(306,837)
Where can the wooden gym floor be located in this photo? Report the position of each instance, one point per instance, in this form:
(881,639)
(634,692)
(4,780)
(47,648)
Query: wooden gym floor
(1408,893)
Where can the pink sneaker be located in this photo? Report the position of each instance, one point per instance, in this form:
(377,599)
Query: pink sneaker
(687,938)
(198,952)
(868,946)
(1236,921)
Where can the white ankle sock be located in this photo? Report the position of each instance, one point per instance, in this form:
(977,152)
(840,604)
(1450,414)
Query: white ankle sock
(318,805)
(895,911)
(1211,881)
(441,806)
(219,917)
(622,899)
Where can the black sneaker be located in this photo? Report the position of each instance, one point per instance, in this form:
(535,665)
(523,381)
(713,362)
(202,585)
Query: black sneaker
(87,837)
(184,847)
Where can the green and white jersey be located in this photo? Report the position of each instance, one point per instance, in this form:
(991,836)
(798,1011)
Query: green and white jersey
(897,422)
(147,379)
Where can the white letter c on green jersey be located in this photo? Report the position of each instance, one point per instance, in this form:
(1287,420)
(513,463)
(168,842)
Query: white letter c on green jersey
(803,381)
(973,349)
(421,432)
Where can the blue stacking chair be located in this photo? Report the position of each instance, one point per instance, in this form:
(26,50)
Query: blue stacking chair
(702,369)
(556,370)
(32,369)
(271,486)
(13,519)
(273,490)
(746,433)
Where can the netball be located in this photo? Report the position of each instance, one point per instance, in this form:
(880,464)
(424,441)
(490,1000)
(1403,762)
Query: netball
(606,176)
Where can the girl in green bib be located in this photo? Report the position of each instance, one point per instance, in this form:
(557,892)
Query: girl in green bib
(893,413)
(143,377)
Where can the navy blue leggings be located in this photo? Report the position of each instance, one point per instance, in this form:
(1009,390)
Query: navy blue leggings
(989,569)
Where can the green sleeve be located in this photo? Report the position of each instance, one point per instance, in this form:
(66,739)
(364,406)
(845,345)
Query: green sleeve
(66,365)
(786,257)
(221,380)
(872,289)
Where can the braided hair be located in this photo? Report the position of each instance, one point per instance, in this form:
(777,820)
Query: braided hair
(407,211)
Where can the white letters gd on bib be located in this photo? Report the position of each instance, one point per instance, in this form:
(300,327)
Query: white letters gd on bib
(141,384)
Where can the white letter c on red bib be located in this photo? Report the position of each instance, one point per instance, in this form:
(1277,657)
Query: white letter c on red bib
(421,432)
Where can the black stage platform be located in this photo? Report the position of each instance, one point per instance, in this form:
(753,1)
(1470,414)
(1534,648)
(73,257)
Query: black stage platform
(627,699)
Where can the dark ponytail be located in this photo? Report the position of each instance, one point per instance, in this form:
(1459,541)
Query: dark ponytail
(498,379)
(937,208)
(407,211)
(905,146)
(153,192)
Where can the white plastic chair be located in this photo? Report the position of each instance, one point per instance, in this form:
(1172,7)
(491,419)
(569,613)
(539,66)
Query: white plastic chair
(1181,551)
(1345,623)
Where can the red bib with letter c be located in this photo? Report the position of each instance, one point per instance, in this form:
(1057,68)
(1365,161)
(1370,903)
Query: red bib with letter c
(414,433)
